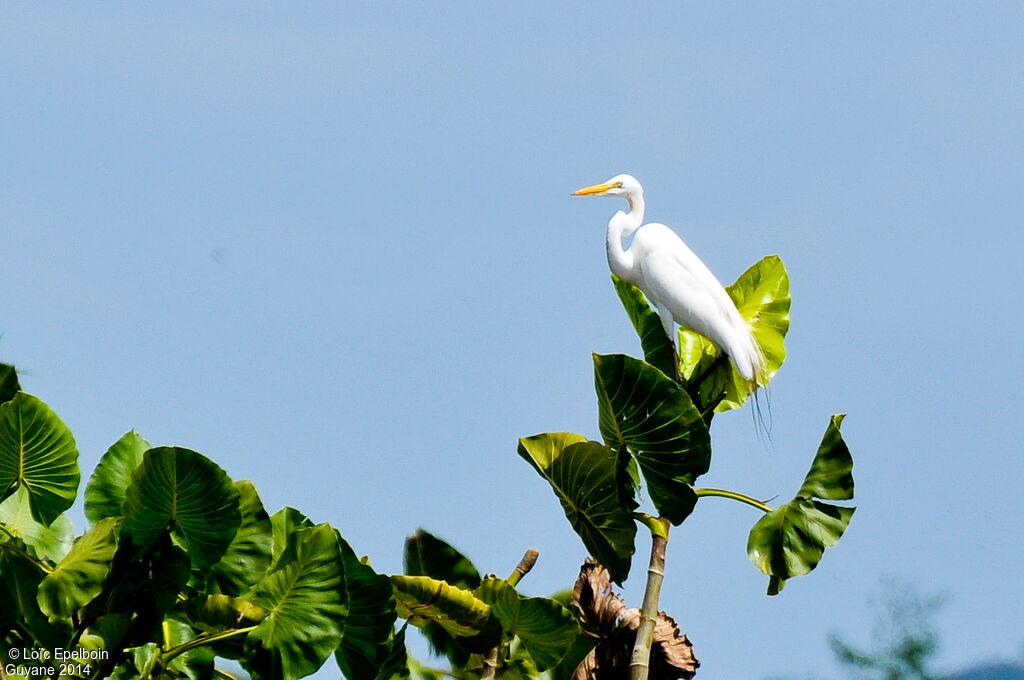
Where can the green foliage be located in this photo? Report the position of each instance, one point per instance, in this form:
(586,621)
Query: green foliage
(181,565)
(50,542)
(9,385)
(583,476)
(644,413)
(655,344)
(790,540)
(428,555)
(183,490)
(302,594)
(79,577)
(546,628)
(367,629)
(250,552)
(762,297)
(37,452)
(104,495)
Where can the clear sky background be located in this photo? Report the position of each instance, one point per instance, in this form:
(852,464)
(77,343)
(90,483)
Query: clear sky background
(333,248)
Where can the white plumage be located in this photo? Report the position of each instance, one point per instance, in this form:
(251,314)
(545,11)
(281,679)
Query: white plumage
(674,279)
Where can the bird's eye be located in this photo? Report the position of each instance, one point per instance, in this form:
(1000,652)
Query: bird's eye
(618,185)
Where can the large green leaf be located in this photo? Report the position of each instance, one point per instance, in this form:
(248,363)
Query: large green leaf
(9,385)
(369,625)
(104,494)
(302,593)
(188,493)
(644,410)
(38,452)
(790,540)
(284,523)
(545,627)
(19,581)
(79,577)
(396,664)
(49,542)
(421,599)
(249,554)
(583,476)
(762,297)
(656,346)
(427,555)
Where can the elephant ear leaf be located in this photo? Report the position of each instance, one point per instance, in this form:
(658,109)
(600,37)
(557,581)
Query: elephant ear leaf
(428,555)
(79,577)
(583,475)
(645,413)
(104,494)
(37,452)
(303,595)
(762,297)
(790,540)
(656,346)
(188,493)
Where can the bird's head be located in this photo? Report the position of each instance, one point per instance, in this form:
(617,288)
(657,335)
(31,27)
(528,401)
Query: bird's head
(622,186)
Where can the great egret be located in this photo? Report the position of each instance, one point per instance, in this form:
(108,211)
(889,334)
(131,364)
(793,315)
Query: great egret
(674,279)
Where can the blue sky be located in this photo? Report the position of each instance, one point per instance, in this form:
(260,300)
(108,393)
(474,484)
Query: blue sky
(333,248)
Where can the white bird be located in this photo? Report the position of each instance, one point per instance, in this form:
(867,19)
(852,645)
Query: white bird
(677,283)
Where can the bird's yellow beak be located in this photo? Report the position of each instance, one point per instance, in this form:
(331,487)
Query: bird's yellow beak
(597,189)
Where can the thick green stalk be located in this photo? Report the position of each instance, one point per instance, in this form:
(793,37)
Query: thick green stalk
(639,664)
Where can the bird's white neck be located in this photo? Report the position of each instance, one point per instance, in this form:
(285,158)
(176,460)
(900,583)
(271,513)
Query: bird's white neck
(622,225)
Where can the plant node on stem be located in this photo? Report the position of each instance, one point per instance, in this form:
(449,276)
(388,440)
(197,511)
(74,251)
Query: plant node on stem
(639,664)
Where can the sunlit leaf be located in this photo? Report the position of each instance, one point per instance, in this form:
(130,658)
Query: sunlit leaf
(188,493)
(104,494)
(790,540)
(583,476)
(248,555)
(647,323)
(49,542)
(421,599)
(37,452)
(79,577)
(762,297)
(643,409)
(302,593)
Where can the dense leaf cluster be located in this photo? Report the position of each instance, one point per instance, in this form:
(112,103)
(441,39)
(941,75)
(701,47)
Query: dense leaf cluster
(655,428)
(180,565)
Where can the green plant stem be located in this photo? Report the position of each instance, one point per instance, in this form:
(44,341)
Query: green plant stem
(639,664)
(724,493)
(521,570)
(31,558)
(167,656)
